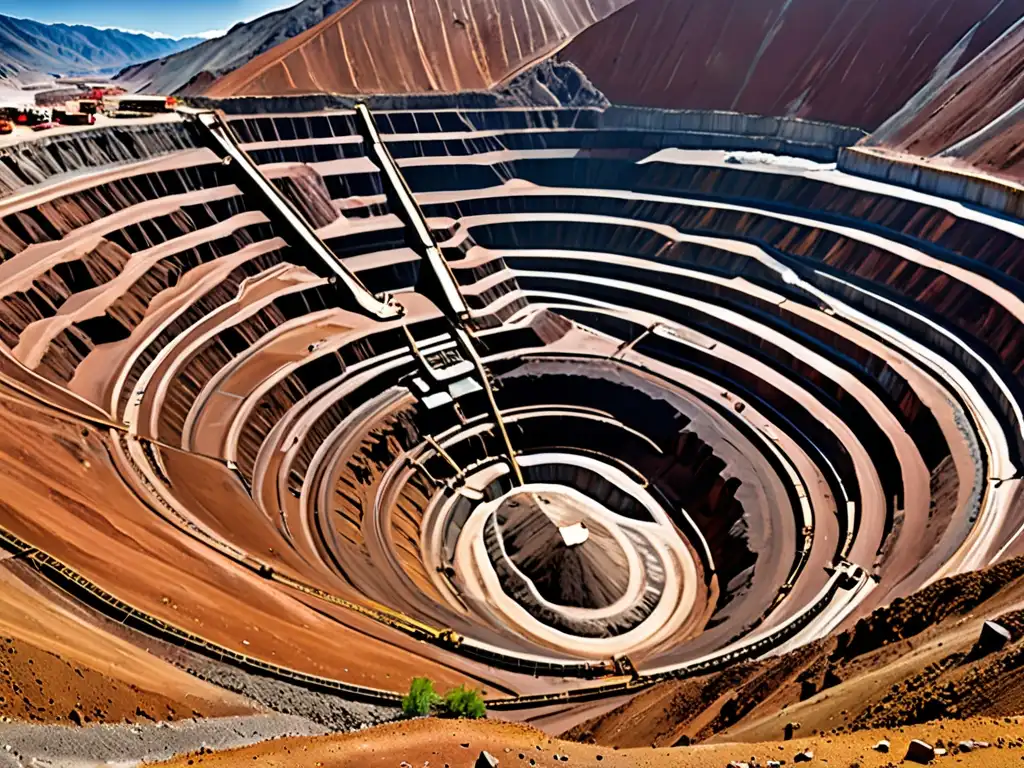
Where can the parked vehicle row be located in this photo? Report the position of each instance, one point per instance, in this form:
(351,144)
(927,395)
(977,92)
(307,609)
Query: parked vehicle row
(84,111)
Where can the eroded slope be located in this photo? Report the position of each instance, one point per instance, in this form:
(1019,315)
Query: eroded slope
(57,667)
(387,46)
(908,663)
(975,118)
(192,70)
(853,63)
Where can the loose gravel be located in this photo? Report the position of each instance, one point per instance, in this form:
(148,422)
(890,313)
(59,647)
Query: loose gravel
(125,745)
(332,712)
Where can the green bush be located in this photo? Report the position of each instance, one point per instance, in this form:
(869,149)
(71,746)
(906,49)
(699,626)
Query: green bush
(421,698)
(463,702)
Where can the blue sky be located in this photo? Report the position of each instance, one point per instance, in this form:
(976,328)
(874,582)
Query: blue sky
(172,18)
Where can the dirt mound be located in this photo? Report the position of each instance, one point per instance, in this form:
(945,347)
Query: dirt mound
(55,667)
(590,574)
(458,743)
(43,687)
(905,664)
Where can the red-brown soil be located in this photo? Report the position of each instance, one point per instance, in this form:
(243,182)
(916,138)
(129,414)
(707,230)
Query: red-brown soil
(61,492)
(847,62)
(43,687)
(457,743)
(55,667)
(907,663)
(392,46)
(888,678)
(971,118)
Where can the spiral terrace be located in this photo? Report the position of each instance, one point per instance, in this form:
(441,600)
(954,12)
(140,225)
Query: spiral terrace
(556,401)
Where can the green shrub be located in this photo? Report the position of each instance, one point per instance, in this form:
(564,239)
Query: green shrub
(421,698)
(463,702)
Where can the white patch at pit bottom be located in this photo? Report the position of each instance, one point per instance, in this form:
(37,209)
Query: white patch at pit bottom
(574,534)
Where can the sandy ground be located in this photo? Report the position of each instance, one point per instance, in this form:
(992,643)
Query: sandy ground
(54,667)
(61,493)
(458,743)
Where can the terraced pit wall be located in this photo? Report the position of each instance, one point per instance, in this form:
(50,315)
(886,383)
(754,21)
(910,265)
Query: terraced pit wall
(950,182)
(827,367)
(693,129)
(36,161)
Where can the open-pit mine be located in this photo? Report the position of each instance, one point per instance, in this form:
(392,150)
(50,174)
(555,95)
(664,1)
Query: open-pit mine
(560,401)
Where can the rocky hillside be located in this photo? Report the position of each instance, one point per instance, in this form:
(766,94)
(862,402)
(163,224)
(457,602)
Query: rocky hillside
(853,62)
(333,46)
(975,116)
(419,46)
(28,46)
(913,661)
(191,71)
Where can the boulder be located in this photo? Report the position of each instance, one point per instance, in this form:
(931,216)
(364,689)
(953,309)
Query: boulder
(993,637)
(882,746)
(920,752)
(803,757)
(486,760)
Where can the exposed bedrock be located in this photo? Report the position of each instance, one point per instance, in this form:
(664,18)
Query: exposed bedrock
(972,119)
(483,47)
(548,83)
(716,397)
(33,162)
(834,60)
(305,189)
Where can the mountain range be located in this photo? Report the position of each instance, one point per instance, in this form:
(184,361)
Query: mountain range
(29,49)
(192,70)
(950,81)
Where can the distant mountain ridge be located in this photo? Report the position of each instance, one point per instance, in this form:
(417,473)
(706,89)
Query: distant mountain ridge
(190,71)
(28,46)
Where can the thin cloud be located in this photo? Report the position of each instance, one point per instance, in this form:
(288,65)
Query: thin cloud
(147,33)
(210,34)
